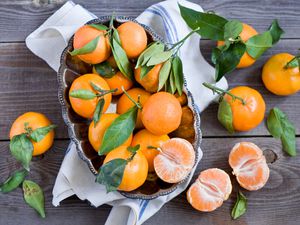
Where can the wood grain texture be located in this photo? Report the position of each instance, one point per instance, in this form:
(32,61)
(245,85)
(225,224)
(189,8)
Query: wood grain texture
(26,15)
(277,203)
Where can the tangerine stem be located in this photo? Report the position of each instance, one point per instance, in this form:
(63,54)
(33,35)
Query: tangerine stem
(138,104)
(222,92)
(295,60)
(183,39)
(104,92)
(153,147)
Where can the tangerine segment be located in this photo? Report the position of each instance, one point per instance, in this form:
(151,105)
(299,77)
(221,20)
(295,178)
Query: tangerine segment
(175,161)
(118,81)
(86,108)
(249,165)
(135,173)
(144,138)
(35,120)
(96,133)
(212,187)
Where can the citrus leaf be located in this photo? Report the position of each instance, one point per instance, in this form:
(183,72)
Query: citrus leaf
(240,206)
(274,124)
(158,58)
(275,31)
(88,48)
(152,49)
(34,196)
(294,62)
(98,26)
(145,70)
(98,111)
(258,44)
(39,133)
(227,60)
(21,148)
(211,25)
(119,131)
(133,149)
(232,30)
(225,116)
(172,83)
(111,174)
(83,94)
(164,74)
(104,69)
(178,73)
(13,181)
(96,88)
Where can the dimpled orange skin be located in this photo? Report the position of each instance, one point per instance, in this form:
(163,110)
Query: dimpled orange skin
(277,79)
(135,172)
(96,133)
(118,81)
(35,120)
(124,103)
(144,138)
(250,115)
(86,108)
(150,81)
(133,39)
(246,33)
(161,113)
(84,35)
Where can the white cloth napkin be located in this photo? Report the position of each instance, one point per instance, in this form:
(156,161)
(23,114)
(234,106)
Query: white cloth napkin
(74,177)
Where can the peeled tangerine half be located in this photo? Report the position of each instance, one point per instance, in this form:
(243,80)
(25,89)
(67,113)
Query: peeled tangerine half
(212,187)
(249,165)
(175,160)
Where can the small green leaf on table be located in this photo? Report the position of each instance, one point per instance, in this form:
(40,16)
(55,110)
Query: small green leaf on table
(98,111)
(275,31)
(164,74)
(88,48)
(104,69)
(83,94)
(39,133)
(225,116)
(177,71)
(258,44)
(240,206)
(13,181)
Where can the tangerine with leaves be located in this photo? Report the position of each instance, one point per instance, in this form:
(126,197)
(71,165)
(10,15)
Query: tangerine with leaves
(32,121)
(87,34)
(161,113)
(210,190)
(249,165)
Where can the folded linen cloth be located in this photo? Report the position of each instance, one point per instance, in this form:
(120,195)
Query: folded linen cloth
(49,40)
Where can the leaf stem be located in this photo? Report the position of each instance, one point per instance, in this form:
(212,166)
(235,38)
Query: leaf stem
(181,42)
(289,64)
(138,104)
(104,92)
(222,92)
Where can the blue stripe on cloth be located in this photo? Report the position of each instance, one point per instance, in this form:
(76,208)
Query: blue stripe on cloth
(68,149)
(143,207)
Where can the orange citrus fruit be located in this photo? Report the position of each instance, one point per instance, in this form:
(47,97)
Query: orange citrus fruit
(118,81)
(175,160)
(150,81)
(136,170)
(161,113)
(249,115)
(210,190)
(96,133)
(249,165)
(83,107)
(84,35)
(124,103)
(145,139)
(133,39)
(35,120)
(278,79)
(247,32)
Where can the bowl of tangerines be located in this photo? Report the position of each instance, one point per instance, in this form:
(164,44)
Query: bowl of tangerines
(127,108)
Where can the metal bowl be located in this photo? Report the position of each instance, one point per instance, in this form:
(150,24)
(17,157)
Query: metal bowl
(70,69)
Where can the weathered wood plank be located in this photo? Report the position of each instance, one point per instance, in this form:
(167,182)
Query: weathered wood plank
(26,15)
(277,203)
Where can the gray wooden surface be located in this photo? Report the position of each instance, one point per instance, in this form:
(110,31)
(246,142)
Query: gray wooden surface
(27,83)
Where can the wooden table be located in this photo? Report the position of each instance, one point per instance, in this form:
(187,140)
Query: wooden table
(28,84)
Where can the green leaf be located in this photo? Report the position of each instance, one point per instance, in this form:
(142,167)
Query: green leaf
(258,44)
(172,83)
(13,181)
(83,94)
(159,58)
(164,74)
(211,25)
(232,30)
(98,26)
(275,31)
(293,63)
(178,73)
(225,116)
(119,131)
(96,88)
(98,111)
(133,149)
(279,126)
(21,148)
(152,49)
(34,196)
(104,69)
(120,56)
(240,206)
(111,174)
(88,48)
(145,70)
(227,60)
(39,133)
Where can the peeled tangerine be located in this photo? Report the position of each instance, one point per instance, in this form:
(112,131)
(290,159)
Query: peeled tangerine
(175,160)
(249,165)
(210,190)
